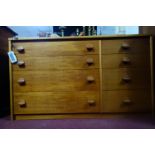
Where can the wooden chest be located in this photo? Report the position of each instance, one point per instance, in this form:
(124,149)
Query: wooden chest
(81,77)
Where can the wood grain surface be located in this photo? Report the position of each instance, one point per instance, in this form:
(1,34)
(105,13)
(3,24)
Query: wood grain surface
(61,48)
(82,76)
(56,63)
(113,78)
(56,80)
(56,102)
(113,101)
(138,45)
(116,61)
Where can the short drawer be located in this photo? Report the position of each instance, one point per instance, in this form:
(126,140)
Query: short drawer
(126,101)
(55,48)
(56,102)
(56,62)
(126,78)
(125,61)
(132,45)
(56,80)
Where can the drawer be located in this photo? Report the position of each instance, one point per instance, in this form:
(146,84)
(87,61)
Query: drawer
(125,78)
(56,80)
(126,101)
(56,102)
(56,62)
(55,48)
(125,60)
(133,45)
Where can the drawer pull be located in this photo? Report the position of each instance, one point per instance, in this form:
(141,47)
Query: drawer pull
(126,79)
(91,102)
(20,49)
(21,81)
(90,61)
(89,47)
(90,79)
(127,102)
(22,103)
(21,63)
(125,46)
(126,60)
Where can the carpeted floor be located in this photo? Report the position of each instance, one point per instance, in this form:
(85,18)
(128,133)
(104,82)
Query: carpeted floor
(104,123)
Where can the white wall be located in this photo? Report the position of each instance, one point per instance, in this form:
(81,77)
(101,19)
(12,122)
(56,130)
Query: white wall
(103,30)
(127,30)
(31,31)
(132,29)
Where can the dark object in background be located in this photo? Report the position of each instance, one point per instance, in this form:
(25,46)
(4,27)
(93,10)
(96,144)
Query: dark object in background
(151,31)
(5,33)
(72,30)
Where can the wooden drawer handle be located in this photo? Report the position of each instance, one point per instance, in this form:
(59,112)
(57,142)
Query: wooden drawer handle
(20,49)
(22,103)
(127,102)
(125,46)
(126,79)
(21,81)
(21,63)
(90,61)
(91,102)
(126,60)
(89,47)
(90,79)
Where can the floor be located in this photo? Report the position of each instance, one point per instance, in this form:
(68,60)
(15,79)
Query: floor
(104,123)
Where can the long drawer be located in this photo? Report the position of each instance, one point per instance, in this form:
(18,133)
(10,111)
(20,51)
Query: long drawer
(126,101)
(53,48)
(125,60)
(126,78)
(56,102)
(133,45)
(57,80)
(56,62)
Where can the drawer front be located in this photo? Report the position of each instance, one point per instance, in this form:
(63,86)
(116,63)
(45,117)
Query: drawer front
(126,101)
(53,48)
(56,102)
(56,62)
(133,45)
(56,80)
(125,60)
(125,78)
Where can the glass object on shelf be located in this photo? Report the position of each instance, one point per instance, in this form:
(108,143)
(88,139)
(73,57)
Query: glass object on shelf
(93,31)
(84,30)
(77,32)
(121,30)
(105,30)
(42,34)
(62,28)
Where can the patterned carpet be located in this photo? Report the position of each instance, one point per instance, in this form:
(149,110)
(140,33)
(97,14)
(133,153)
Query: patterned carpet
(104,123)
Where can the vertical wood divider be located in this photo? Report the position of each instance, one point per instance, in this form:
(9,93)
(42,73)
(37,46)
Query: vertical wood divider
(10,77)
(100,71)
(152,75)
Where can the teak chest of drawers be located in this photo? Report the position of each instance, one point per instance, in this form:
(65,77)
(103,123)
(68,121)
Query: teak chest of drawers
(76,77)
